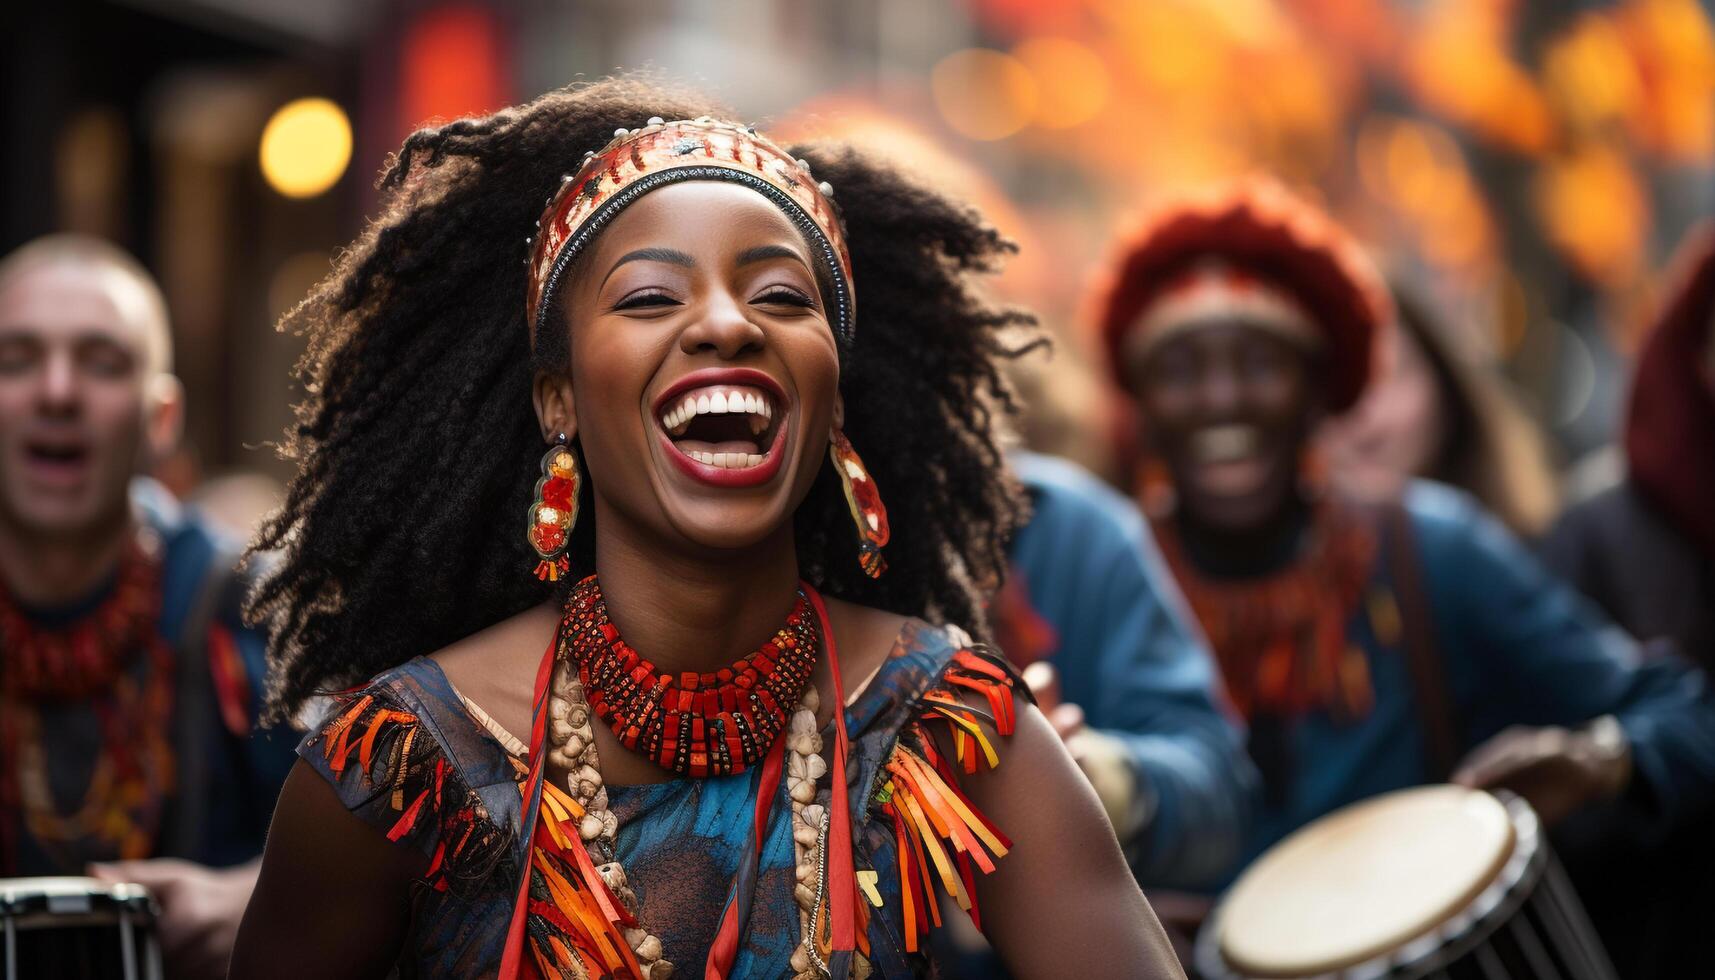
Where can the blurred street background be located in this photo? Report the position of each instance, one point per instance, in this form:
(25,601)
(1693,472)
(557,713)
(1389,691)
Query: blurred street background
(1529,164)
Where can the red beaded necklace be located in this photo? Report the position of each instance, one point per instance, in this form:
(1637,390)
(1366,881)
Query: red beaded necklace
(712,724)
(78,661)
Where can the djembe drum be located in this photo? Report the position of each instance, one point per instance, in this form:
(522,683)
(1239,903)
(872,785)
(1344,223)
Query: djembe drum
(1438,881)
(77,929)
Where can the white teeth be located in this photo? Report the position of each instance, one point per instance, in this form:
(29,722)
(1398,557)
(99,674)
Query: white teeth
(1225,443)
(725,401)
(728,461)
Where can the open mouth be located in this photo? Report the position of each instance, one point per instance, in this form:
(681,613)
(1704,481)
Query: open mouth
(728,434)
(1229,460)
(728,427)
(1225,443)
(57,461)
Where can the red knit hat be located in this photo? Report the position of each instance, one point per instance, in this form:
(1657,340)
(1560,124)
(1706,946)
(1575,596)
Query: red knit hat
(1670,428)
(1259,230)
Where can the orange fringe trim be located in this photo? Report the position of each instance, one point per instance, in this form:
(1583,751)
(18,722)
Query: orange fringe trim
(339,739)
(938,834)
(574,916)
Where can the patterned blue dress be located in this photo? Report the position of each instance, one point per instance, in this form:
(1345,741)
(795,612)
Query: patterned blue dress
(431,776)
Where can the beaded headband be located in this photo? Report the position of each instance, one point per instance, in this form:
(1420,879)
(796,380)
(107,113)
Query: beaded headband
(638,161)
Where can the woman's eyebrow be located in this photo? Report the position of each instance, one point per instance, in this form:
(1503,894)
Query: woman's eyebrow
(670,256)
(761,252)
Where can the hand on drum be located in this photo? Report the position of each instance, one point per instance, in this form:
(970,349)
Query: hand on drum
(200,909)
(1556,770)
(1100,756)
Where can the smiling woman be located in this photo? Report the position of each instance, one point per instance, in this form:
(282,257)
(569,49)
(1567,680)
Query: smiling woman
(730,742)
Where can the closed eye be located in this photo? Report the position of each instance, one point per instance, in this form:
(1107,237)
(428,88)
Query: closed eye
(784,296)
(645,298)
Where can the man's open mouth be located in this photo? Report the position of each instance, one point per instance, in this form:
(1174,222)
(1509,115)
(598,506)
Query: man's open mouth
(57,461)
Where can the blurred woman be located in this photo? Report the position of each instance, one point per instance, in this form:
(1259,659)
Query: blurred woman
(640,756)
(1370,647)
(1644,550)
(1437,413)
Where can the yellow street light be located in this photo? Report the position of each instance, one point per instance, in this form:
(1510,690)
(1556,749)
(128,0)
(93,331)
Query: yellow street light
(305,147)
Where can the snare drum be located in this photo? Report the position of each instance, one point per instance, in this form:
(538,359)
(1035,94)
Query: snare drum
(78,929)
(1438,881)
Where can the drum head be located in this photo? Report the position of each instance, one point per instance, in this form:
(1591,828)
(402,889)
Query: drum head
(1363,880)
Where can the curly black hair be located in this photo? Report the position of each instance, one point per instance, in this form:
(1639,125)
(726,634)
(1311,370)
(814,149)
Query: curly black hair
(417,445)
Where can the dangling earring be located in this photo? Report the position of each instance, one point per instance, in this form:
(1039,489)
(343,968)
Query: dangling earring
(1155,494)
(1314,472)
(555,510)
(865,502)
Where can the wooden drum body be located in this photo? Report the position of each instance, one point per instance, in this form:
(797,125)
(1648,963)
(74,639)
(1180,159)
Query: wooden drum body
(77,929)
(1437,881)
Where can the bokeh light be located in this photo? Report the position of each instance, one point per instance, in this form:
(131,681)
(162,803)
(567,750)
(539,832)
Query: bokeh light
(1593,208)
(984,95)
(306,147)
(1071,80)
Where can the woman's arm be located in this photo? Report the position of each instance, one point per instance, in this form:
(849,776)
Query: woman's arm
(1062,903)
(332,899)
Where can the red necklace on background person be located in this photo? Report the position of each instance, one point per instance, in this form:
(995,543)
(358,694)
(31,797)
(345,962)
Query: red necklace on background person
(1280,639)
(88,662)
(76,661)
(694,724)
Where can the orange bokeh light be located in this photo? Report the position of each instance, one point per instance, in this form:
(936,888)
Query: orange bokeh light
(984,95)
(1071,80)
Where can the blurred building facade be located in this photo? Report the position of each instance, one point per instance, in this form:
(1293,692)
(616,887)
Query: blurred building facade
(1530,162)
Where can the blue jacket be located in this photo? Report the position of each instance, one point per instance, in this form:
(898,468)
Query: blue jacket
(231,779)
(1128,657)
(1517,647)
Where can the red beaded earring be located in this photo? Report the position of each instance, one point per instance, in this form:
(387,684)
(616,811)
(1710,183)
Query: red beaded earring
(555,510)
(865,501)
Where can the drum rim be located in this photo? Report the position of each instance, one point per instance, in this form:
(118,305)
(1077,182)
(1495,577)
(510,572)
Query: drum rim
(1487,908)
(21,897)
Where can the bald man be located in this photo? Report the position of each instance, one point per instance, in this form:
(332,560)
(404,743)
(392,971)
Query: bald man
(128,684)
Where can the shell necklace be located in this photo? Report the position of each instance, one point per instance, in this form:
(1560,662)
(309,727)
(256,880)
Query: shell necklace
(571,747)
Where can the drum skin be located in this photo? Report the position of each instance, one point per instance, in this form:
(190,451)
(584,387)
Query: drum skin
(1364,880)
(1432,883)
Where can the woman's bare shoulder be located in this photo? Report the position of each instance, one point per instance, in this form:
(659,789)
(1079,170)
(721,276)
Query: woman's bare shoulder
(496,667)
(865,635)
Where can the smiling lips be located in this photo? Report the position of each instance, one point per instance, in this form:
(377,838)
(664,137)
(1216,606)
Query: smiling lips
(724,434)
(1229,459)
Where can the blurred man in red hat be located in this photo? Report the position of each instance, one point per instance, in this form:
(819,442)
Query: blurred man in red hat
(1370,648)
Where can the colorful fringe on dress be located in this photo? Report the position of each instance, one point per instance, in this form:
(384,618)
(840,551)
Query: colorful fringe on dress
(576,924)
(939,835)
(406,756)
(392,751)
